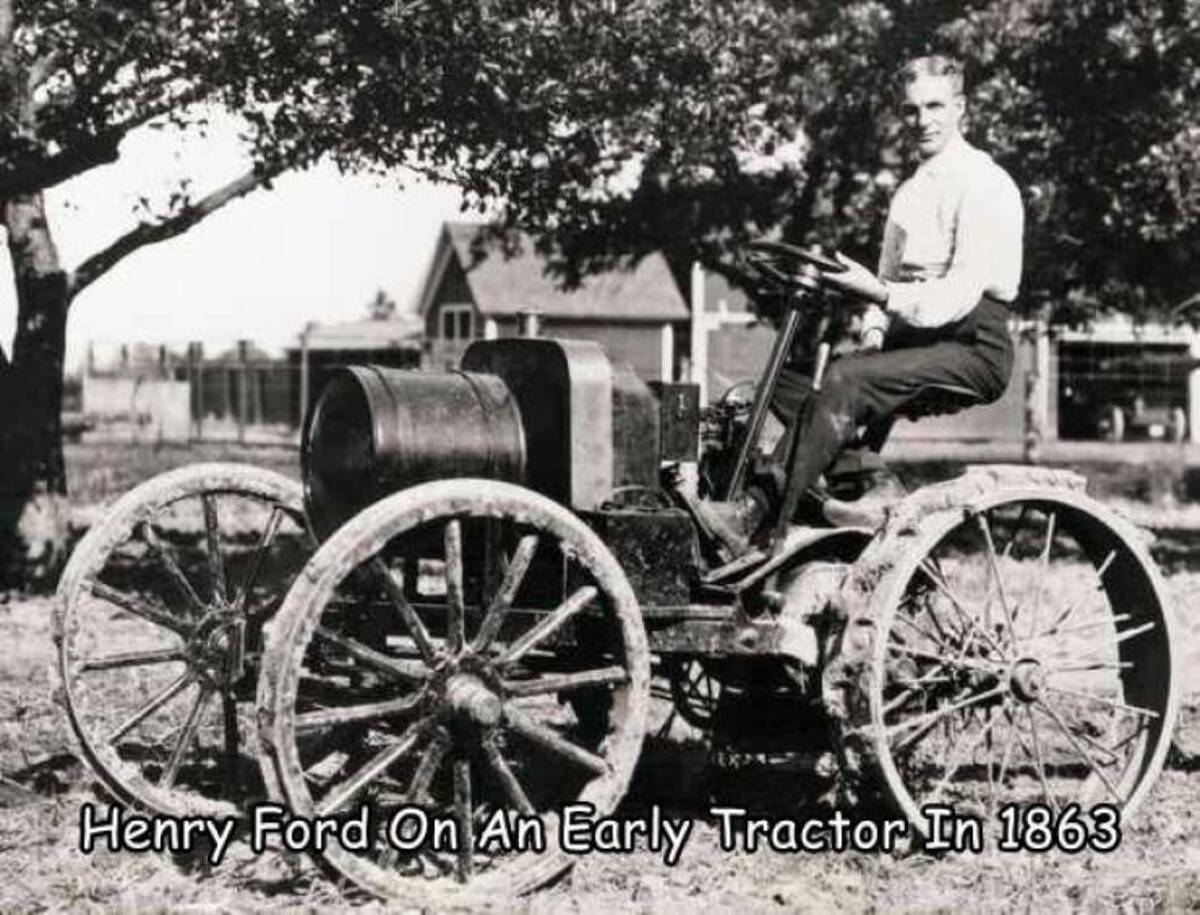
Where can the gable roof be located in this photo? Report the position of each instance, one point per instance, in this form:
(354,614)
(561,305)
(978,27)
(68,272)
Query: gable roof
(500,285)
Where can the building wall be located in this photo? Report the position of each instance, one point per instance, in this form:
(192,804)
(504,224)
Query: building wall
(640,345)
(453,290)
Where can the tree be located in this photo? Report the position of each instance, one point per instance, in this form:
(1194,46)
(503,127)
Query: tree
(375,83)
(75,79)
(382,306)
(608,129)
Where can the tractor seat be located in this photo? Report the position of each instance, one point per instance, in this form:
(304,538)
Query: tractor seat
(939,400)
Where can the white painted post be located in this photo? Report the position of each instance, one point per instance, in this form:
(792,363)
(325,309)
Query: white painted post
(666,369)
(1193,401)
(490,329)
(699,334)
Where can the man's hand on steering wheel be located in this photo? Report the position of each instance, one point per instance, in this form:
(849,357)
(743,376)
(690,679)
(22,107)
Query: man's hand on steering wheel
(856,281)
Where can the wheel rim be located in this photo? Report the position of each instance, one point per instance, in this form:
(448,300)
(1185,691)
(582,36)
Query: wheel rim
(1024,656)
(464,712)
(159,628)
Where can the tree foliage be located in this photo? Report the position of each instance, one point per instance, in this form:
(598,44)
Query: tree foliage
(608,129)
(691,125)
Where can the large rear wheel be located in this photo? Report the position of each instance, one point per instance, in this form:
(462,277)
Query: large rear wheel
(1014,650)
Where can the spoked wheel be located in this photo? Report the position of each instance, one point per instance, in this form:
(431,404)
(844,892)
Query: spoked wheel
(159,628)
(1020,653)
(433,655)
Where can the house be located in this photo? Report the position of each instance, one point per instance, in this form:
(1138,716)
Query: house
(476,289)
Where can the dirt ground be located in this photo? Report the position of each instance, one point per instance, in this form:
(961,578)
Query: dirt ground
(1156,867)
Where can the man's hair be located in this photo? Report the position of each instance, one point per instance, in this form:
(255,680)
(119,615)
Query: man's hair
(932,65)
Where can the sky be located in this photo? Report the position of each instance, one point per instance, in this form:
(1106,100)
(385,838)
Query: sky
(316,246)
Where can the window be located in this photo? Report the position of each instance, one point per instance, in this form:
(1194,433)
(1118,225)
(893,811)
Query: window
(457,322)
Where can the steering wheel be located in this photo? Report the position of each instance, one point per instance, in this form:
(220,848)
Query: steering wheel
(782,250)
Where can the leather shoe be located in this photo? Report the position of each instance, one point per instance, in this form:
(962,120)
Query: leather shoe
(870,509)
(732,524)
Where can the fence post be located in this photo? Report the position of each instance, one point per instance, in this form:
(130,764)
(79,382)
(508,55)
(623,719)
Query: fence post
(243,354)
(195,353)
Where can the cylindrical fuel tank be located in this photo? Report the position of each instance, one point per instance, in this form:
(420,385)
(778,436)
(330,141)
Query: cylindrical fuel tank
(375,430)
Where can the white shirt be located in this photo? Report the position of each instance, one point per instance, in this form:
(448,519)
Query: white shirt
(953,233)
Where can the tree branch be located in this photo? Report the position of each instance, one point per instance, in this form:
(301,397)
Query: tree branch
(149,233)
(29,174)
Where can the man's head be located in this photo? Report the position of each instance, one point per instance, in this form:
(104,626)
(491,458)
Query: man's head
(931,102)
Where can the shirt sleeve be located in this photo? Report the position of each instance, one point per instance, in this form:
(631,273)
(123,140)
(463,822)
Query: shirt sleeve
(986,258)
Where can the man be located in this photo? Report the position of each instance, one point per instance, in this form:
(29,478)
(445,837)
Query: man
(949,269)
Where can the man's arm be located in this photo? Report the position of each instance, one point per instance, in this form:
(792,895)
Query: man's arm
(987,258)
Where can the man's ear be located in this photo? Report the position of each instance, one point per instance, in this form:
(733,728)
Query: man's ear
(960,108)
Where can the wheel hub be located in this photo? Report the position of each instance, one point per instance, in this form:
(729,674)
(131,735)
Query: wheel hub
(469,699)
(1025,680)
(217,649)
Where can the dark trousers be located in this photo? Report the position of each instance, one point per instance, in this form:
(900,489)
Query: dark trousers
(868,389)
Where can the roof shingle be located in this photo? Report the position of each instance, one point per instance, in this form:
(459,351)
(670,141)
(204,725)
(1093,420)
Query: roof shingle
(500,285)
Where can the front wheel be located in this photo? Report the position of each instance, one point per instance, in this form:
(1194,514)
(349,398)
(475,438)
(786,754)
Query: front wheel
(1015,650)
(429,656)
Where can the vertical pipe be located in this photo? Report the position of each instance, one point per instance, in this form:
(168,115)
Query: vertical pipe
(699,333)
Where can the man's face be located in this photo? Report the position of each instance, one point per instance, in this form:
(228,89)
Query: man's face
(932,112)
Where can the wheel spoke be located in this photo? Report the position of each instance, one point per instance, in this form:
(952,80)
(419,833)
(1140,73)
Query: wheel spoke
(412,622)
(967,619)
(216,565)
(232,739)
(1091,665)
(930,676)
(986,529)
(963,663)
(347,790)
(138,607)
(186,735)
(960,756)
(1080,749)
(369,711)
(940,713)
(264,545)
(133,658)
(563,683)
(1071,608)
(456,627)
(513,576)
(1114,620)
(170,692)
(1133,709)
(409,673)
(1043,579)
(555,743)
(548,625)
(1038,763)
(166,556)
(431,759)
(506,777)
(462,813)
(1005,757)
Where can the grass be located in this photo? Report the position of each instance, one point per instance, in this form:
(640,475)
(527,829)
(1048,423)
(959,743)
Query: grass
(1157,867)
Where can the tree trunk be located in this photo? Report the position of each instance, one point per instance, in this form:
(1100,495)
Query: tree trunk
(33,511)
